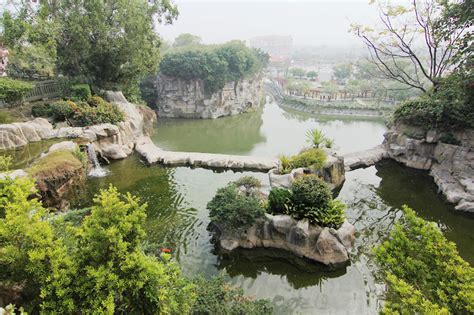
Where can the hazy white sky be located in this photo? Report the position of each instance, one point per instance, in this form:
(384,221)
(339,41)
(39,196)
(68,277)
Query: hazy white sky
(316,22)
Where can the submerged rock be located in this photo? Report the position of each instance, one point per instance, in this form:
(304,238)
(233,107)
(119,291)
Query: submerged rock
(325,245)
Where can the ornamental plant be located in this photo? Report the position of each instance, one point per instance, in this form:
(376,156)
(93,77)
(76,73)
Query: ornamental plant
(424,271)
(12,91)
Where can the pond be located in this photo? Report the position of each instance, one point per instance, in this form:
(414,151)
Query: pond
(177,217)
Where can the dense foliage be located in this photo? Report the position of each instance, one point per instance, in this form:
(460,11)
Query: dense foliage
(95,111)
(215,65)
(114,42)
(215,296)
(313,158)
(12,91)
(449,107)
(235,208)
(279,201)
(80,92)
(424,271)
(311,199)
(308,198)
(96,267)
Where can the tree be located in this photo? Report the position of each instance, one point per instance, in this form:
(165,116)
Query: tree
(312,74)
(111,43)
(186,39)
(420,42)
(297,72)
(342,71)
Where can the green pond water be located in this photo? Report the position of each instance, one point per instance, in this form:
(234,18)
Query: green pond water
(177,215)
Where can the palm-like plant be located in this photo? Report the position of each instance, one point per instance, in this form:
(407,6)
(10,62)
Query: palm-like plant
(315,137)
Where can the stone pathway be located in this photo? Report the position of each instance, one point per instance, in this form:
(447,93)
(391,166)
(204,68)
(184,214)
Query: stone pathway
(154,155)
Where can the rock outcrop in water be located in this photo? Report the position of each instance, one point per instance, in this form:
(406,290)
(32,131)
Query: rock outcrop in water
(322,244)
(451,165)
(187,98)
(110,141)
(333,173)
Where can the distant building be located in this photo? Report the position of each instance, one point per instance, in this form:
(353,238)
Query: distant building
(277,46)
(3,61)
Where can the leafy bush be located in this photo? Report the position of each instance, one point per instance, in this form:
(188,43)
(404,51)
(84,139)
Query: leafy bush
(105,112)
(285,164)
(424,271)
(12,91)
(41,110)
(5,162)
(80,92)
(215,296)
(248,182)
(450,107)
(62,110)
(312,158)
(310,192)
(233,209)
(333,215)
(5,117)
(279,201)
(85,265)
(96,101)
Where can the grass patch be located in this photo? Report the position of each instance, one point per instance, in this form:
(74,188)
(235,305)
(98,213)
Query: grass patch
(55,163)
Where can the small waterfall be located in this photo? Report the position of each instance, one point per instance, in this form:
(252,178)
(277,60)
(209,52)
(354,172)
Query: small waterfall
(97,170)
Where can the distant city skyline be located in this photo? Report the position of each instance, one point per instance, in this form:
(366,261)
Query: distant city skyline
(309,23)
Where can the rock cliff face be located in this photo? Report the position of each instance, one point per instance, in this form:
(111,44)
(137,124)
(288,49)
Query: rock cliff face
(325,245)
(110,141)
(452,166)
(187,99)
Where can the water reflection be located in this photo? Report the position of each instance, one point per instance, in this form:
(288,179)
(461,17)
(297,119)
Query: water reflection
(25,156)
(234,135)
(270,132)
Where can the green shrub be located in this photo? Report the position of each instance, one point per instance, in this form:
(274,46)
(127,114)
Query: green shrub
(41,110)
(424,271)
(215,296)
(12,91)
(62,110)
(80,92)
(5,162)
(95,101)
(312,199)
(248,182)
(450,107)
(279,201)
(5,117)
(312,158)
(105,112)
(233,209)
(333,215)
(285,164)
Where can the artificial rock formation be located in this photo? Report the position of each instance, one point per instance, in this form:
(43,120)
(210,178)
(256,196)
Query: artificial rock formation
(154,155)
(452,166)
(109,140)
(187,98)
(322,244)
(333,173)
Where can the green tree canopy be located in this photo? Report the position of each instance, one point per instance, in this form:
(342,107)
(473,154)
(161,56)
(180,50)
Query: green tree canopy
(214,64)
(342,71)
(111,43)
(186,39)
